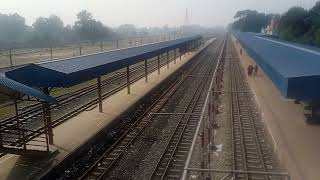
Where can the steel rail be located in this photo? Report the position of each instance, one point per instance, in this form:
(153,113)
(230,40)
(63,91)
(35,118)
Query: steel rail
(243,121)
(161,170)
(185,171)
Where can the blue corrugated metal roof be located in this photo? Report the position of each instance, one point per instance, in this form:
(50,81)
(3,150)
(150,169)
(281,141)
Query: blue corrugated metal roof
(294,68)
(70,71)
(18,87)
(289,59)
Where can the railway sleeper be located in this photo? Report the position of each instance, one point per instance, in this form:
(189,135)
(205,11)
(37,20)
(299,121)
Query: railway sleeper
(175,170)
(253,161)
(252,149)
(182,152)
(173,176)
(252,155)
(257,177)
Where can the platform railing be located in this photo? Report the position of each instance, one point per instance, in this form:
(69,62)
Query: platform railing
(21,138)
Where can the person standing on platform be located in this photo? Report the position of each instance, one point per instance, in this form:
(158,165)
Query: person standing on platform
(256,68)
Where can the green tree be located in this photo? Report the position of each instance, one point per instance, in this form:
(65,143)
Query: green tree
(128,30)
(48,30)
(250,21)
(12,28)
(293,24)
(88,28)
(314,23)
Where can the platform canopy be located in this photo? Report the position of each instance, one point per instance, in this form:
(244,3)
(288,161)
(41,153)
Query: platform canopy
(75,70)
(10,89)
(293,68)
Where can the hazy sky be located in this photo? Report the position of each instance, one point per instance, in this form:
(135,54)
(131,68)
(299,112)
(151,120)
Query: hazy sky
(147,12)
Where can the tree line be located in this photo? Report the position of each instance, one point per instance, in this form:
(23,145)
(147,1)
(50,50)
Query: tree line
(48,31)
(51,31)
(297,24)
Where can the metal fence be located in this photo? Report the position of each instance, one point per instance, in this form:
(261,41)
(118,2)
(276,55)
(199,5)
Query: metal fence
(17,57)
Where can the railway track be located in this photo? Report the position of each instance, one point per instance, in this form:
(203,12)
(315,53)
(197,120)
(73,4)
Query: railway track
(171,162)
(249,147)
(109,159)
(36,111)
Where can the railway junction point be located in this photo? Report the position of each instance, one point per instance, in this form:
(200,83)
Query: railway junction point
(296,142)
(88,123)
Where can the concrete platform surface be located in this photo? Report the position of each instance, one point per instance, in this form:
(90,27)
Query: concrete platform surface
(77,130)
(296,143)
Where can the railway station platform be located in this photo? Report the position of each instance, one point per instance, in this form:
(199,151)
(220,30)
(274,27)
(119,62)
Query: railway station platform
(76,131)
(295,141)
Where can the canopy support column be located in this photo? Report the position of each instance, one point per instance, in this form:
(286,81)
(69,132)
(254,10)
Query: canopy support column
(99,94)
(128,79)
(158,64)
(146,69)
(168,60)
(48,117)
(20,131)
(174,56)
(45,125)
(1,143)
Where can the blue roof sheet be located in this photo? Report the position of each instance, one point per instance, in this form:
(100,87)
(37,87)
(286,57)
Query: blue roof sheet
(289,59)
(21,88)
(293,68)
(70,71)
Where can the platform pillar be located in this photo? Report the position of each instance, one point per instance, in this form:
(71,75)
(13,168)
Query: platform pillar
(188,47)
(45,125)
(194,46)
(20,132)
(158,64)
(146,69)
(174,56)
(48,118)
(128,79)
(180,53)
(99,94)
(1,143)
(168,60)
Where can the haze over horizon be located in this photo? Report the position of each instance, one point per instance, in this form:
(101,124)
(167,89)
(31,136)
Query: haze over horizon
(147,13)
